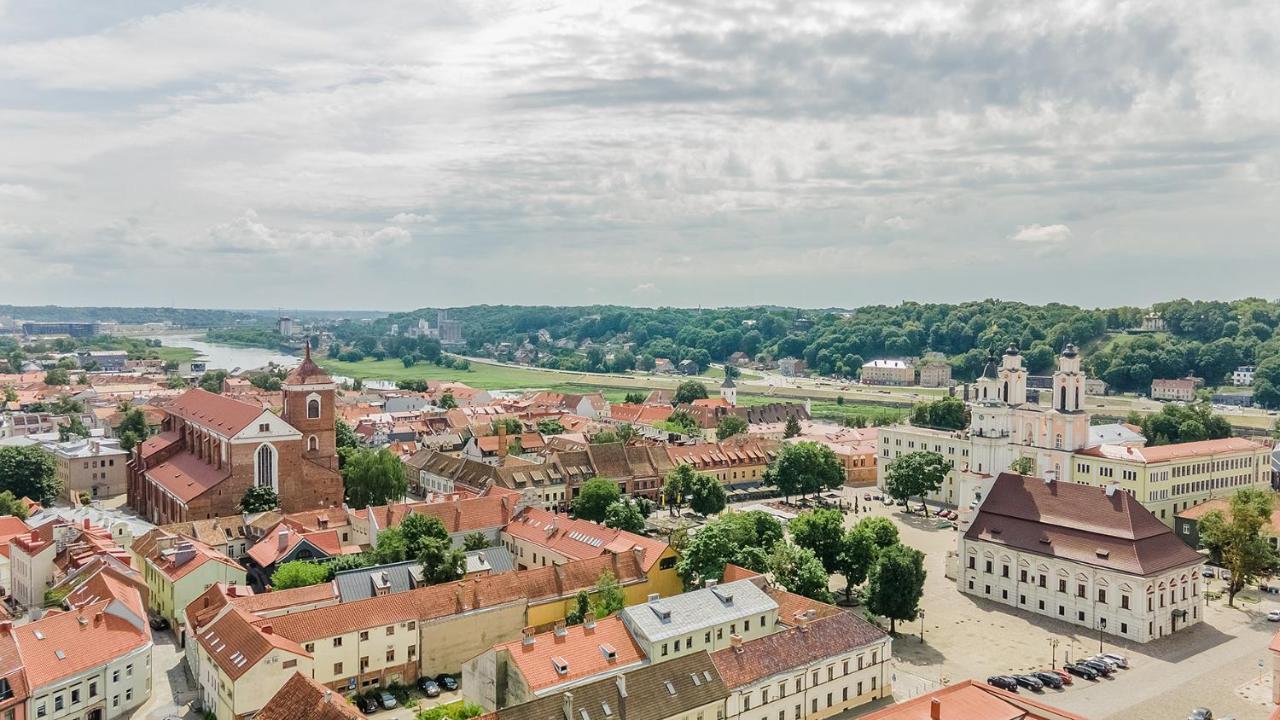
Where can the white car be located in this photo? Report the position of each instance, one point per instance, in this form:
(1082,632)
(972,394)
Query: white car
(1274,616)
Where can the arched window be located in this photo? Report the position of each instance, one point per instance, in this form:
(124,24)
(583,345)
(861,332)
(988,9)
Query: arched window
(1006,391)
(1078,406)
(313,409)
(1062,398)
(265,467)
(313,443)
(1057,441)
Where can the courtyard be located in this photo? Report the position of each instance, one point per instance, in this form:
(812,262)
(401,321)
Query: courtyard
(1214,664)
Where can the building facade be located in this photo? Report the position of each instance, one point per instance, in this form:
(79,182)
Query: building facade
(888,372)
(1182,389)
(96,467)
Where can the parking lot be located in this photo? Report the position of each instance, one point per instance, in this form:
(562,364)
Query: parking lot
(1213,664)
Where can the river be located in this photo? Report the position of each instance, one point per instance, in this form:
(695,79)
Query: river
(229,357)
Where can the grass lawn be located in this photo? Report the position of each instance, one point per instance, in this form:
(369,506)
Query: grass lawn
(481,375)
(174,354)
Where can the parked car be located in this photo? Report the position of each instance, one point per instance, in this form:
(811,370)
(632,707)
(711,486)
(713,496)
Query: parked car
(1101,668)
(1029,682)
(1081,671)
(158,623)
(387,700)
(1121,660)
(367,704)
(1201,714)
(1048,679)
(1004,682)
(447,682)
(429,687)
(1206,572)
(1064,676)
(1274,616)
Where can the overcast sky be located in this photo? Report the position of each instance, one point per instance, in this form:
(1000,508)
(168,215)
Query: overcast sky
(398,155)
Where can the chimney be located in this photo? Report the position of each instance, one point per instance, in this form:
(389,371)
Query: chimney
(589,621)
(935,709)
(561,631)
(735,642)
(653,597)
(802,622)
(328,696)
(97,618)
(567,705)
(1111,490)
(709,582)
(268,630)
(502,441)
(282,540)
(528,637)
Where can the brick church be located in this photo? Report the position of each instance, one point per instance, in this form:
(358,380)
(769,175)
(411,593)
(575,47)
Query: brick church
(213,448)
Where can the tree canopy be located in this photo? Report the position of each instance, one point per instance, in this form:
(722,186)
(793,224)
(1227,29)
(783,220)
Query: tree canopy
(259,499)
(805,467)
(799,571)
(948,413)
(298,573)
(373,477)
(742,538)
(706,495)
(917,473)
(29,472)
(895,584)
(1237,539)
(623,514)
(730,425)
(594,499)
(688,391)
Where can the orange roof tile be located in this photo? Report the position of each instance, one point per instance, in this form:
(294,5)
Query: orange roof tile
(236,644)
(581,652)
(308,373)
(216,412)
(1167,453)
(187,476)
(972,700)
(63,644)
(302,697)
(575,538)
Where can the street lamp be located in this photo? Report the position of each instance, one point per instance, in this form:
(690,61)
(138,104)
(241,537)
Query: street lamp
(1102,625)
(1053,652)
(922,626)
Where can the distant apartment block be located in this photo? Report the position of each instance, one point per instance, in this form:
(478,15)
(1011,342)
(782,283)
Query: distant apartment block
(1183,389)
(889,372)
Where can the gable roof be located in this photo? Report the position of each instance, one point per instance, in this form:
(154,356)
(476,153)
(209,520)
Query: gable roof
(575,539)
(583,651)
(798,647)
(186,476)
(664,618)
(302,697)
(1168,453)
(235,644)
(226,415)
(63,644)
(1081,523)
(972,700)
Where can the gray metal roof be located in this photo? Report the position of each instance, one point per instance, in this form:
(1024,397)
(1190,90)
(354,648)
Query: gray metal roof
(494,559)
(359,583)
(681,614)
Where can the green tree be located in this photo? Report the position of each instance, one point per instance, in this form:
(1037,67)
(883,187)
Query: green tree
(1023,465)
(792,427)
(11,504)
(624,515)
(29,472)
(594,499)
(57,376)
(916,473)
(448,401)
(805,467)
(73,428)
(259,499)
(688,391)
(684,423)
(741,538)
(800,571)
(1237,539)
(418,529)
(634,398)
(729,426)
(821,531)
(212,381)
(605,437)
(676,484)
(10,395)
(609,598)
(948,413)
(133,428)
(895,584)
(475,541)
(550,426)
(389,547)
(373,477)
(344,436)
(298,573)
(860,547)
(441,562)
(581,606)
(707,495)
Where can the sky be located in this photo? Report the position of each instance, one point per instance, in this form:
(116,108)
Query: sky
(661,152)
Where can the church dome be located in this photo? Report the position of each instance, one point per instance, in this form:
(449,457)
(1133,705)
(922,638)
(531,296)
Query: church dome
(1069,351)
(1011,350)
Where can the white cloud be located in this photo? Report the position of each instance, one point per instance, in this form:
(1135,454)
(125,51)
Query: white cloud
(1042,234)
(406,218)
(645,287)
(20,192)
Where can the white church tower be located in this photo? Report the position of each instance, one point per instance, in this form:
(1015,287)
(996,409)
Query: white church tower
(1013,377)
(728,390)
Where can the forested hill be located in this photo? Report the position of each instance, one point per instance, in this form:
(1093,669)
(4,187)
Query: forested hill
(1207,338)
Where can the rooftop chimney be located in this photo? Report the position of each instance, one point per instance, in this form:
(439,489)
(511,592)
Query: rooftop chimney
(528,636)
(622,685)
(1111,490)
(282,540)
(502,441)
(589,621)
(735,642)
(5,627)
(935,709)
(268,630)
(561,631)
(328,696)
(567,705)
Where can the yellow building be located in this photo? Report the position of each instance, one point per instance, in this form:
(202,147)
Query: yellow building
(178,570)
(242,666)
(1168,479)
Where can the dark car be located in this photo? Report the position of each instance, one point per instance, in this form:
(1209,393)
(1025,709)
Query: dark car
(1101,668)
(428,687)
(1049,679)
(158,623)
(367,704)
(1004,682)
(1029,682)
(447,682)
(1080,671)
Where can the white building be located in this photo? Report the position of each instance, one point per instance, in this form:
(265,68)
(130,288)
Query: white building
(703,619)
(1088,556)
(1243,375)
(816,669)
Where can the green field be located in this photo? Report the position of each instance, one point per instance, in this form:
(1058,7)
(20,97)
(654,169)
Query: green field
(481,375)
(174,354)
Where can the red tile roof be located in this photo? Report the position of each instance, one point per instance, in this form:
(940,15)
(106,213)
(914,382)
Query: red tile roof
(164,561)
(1223,505)
(1080,523)
(63,644)
(1167,453)
(226,415)
(322,594)
(308,373)
(798,647)
(268,550)
(302,697)
(462,515)
(972,700)
(582,650)
(236,644)
(578,539)
(187,476)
